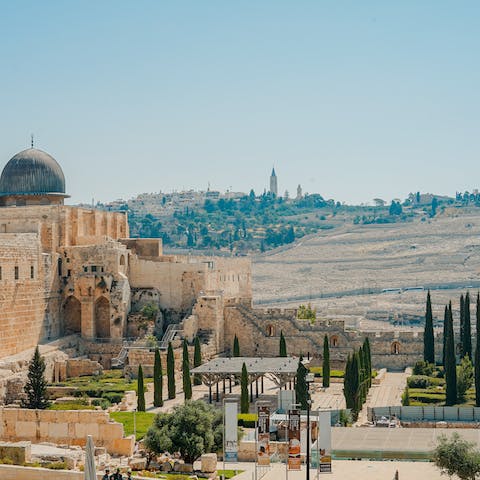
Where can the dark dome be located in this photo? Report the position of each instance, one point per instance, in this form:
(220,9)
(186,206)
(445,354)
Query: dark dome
(32,172)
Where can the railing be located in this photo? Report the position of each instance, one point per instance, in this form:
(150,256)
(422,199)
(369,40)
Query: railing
(169,335)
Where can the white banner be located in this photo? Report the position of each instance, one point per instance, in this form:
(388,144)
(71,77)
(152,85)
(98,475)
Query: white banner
(325,442)
(231,435)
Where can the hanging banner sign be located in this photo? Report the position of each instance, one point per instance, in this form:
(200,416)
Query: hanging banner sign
(294,458)
(231,434)
(263,435)
(325,442)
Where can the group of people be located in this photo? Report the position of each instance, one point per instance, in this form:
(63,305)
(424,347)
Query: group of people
(117,475)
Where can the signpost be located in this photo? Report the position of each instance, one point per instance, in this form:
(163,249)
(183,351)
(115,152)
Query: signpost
(294,456)
(263,436)
(231,435)
(324,442)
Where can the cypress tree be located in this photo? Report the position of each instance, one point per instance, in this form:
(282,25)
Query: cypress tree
(467,328)
(244,401)
(347,384)
(326,363)
(361,375)
(428,336)
(462,325)
(301,387)
(157,380)
(236,347)
(197,360)
(283,345)
(170,372)
(368,355)
(140,391)
(477,356)
(36,386)
(445,328)
(187,381)
(356,383)
(450,362)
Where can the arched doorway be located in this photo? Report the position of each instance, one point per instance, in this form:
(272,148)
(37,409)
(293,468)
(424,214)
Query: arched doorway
(395,348)
(102,318)
(72,315)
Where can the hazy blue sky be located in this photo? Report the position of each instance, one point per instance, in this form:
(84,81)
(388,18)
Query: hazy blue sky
(352,99)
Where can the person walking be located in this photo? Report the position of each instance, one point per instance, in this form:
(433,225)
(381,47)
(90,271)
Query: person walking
(117,475)
(107,474)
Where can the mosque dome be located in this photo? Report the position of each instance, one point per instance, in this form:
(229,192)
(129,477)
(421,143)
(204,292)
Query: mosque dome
(32,172)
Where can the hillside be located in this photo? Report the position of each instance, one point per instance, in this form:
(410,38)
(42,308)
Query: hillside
(352,264)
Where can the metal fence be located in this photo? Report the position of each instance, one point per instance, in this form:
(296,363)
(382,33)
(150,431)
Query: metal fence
(426,414)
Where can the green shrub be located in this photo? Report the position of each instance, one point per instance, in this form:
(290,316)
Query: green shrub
(70,406)
(423,368)
(113,397)
(56,465)
(418,381)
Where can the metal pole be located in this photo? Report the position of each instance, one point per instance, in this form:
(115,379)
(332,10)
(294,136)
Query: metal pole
(224,430)
(135,424)
(308,436)
(286,449)
(318,444)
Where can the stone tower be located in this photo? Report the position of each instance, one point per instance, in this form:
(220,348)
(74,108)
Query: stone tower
(299,192)
(273,183)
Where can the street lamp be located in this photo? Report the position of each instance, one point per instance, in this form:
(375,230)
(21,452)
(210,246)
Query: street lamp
(309,379)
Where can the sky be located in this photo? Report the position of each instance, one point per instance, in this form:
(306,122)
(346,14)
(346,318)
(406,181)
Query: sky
(351,99)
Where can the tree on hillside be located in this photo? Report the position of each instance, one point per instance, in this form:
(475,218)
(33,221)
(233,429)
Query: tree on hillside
(244,401)
(477,355)
(467,329)
(187,381)
(36,386)
(455,456)
(450,362)
(428,335)
(283,345)
(326,363)
(170,372)
(157,380)
(301,386)
(191,429)
(236,347)
(197,360)
(356,383)
(140,390)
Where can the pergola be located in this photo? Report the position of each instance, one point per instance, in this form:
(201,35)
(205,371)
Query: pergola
(281,370)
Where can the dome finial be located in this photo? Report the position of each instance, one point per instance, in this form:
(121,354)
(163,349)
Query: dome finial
(31,140)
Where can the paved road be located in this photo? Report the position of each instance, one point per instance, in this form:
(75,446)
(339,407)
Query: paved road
(386,394)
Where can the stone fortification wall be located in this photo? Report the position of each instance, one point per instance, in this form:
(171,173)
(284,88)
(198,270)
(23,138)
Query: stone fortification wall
(67,427)
(259,332)
(15,472)
(27,302)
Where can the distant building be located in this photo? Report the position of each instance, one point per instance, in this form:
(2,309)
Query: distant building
(273,183)
(299,192)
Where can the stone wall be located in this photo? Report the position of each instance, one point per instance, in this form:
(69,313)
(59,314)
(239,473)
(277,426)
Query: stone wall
(259,332)
(17,452)
(14,472)
(67,427)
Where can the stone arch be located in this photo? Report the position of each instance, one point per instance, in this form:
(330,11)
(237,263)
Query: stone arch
(395,348)
(334,341)
(72,315)
(102,318)
(122,259)
(270,330)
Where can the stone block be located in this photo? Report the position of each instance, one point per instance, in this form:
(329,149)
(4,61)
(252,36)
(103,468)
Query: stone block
(138,464)
(208,462)
(26,430)
(58,431)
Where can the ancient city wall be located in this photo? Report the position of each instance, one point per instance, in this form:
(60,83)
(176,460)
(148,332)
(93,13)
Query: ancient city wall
(68,427)
(259,335)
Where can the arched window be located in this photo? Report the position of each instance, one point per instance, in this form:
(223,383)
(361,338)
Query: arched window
(122,259)
(270,330)
(395,348)
(334,341)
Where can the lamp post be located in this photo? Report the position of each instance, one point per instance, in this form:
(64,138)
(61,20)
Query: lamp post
(309,379)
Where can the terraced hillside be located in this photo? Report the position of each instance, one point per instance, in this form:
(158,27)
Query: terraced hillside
(345,271)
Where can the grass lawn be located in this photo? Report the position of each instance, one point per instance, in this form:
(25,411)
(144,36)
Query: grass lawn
(143,420)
